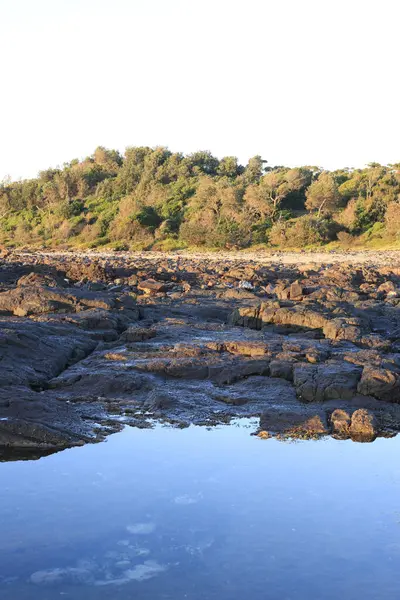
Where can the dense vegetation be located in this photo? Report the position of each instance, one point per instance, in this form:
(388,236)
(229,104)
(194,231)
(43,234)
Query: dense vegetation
(153,198)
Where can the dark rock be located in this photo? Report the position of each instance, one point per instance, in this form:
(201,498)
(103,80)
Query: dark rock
(295,423)
(74,359)
(331,381)
(282,369)
(381,383)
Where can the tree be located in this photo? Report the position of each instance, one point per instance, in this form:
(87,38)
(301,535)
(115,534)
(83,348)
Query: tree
(254,169)
(202,162)
(229,167)
(266,198)
(323,194)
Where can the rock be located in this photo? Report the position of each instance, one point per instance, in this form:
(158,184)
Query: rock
(296,291)
(86,271)
(245,285)
(300,316)
(340,420)
(77,357)
(283,293)
(363,426)
(381,383)
(96,286)
(42,280)
(38,299)
(295,423)
(151,286)
(137,334)
(343,329)
(282,369)
(4,252)
(25,434)
(387,286)
(330,381)
(242,348)
(133,280)
(32,353)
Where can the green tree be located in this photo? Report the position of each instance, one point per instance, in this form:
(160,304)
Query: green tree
(323,194)
(265,198)
(254,169)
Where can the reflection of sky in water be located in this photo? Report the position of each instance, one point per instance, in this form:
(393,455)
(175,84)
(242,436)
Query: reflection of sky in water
(203,514)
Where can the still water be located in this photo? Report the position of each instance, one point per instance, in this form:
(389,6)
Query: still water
(203,514)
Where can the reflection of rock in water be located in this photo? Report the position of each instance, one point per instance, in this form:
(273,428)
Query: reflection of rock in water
(146,570)
(17,454)
(186,499)
(141,528)
(78,575)
(199,548)
(131,560)
(72,575)
(115,567)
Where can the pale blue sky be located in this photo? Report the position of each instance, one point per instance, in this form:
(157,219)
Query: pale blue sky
(297,81)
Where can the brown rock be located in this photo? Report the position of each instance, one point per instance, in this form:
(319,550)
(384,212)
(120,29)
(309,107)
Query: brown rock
(386,287)
(363,426)
(137,334)
(151,286)
(340,420)
(4,252)
(39,279)
(296,291)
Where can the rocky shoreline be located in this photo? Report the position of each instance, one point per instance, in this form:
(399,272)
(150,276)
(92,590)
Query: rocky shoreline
(90,343)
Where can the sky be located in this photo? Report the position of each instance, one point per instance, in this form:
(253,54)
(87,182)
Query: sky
(300,82)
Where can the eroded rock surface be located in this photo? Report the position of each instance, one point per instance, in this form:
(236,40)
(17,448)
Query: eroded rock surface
(88,344)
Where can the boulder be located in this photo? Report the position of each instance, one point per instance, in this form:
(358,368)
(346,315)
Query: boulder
(38,299)
(282,369)
(386,287)
(363,427)
(329,381)
(296,291)
(41,279)
(381,383)
(340,421)
(151,286)
(295,422)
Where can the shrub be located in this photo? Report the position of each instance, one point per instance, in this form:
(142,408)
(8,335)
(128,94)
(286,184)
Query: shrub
(346,239)
(70,209)
(194,233)
(392,219)
(348,216)
(301,232)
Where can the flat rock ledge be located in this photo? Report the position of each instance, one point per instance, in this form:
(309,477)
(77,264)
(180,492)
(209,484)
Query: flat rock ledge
(89,344)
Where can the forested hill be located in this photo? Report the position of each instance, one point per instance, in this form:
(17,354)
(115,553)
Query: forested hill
(153,198)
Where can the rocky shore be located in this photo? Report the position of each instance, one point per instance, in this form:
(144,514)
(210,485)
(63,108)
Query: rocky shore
(89,343)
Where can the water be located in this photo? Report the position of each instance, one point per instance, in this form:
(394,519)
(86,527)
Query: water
(203,514)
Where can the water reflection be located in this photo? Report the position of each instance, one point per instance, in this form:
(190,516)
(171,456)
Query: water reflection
(202,514)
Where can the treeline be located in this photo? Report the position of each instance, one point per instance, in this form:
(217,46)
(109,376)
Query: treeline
(154,198)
